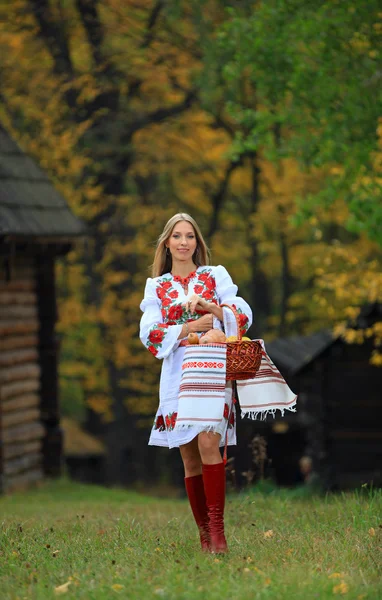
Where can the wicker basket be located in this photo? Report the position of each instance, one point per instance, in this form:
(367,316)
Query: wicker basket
(243,357)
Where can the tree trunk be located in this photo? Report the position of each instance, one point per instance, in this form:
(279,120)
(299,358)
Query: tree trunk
(285,284)
(258,287)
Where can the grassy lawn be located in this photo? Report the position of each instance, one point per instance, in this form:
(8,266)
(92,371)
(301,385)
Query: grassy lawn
(101,544)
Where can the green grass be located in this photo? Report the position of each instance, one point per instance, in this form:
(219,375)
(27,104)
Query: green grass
(111,543)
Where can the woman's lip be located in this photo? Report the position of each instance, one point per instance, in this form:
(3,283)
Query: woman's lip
(183,250)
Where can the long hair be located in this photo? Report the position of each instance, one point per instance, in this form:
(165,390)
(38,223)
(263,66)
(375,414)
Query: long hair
(163,260)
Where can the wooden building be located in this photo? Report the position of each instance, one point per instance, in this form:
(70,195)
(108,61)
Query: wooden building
(36,226)
(338,424)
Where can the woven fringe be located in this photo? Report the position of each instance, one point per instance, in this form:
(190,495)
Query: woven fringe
(207,428)
(261,415)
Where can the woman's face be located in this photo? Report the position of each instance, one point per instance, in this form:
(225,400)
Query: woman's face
(182,241)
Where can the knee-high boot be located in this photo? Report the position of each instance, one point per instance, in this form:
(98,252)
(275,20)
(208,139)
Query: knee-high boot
(214,486)
(195,492)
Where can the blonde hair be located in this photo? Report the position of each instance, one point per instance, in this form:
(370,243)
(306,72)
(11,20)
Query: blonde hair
(163,260)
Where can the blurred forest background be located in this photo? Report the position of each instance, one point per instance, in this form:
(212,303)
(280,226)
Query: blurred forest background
(260,119)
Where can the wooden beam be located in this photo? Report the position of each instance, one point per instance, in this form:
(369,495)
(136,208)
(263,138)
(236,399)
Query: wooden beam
(18,341)
(19,387)
(21,464)
(20,449)
(50,409)
(26,285)
(16,298)
(23,433)
(17,357)
(26,371)
(18,311)
(18,483)
(21,417)
(18,326)
(20,402)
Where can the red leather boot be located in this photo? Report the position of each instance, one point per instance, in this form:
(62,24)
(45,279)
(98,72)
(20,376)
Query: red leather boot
(195,492)
(214,487)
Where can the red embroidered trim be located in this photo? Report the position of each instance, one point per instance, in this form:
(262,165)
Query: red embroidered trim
(184,281)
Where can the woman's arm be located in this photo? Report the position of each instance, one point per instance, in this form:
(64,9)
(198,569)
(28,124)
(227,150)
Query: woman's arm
(198,303)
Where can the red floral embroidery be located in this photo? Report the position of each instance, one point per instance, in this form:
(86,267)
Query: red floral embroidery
(170,420)
(159,423)
(184,281)
(207,295)
(229,415)
(243,319)
(198,289)
(156,336)
(205,287)
(175,312)
(153,350)
(161,293)
(210,283)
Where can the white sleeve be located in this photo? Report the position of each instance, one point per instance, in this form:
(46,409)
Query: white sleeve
(158,337)
(227,294)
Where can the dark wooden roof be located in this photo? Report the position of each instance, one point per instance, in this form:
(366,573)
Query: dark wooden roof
(30,206)
(293,353)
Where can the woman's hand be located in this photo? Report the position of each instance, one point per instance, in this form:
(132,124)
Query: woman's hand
(204,323)
(196,303)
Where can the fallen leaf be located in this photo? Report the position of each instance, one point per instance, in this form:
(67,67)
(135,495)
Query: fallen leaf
(62,589)
(372,531)
(117,587)
(268,534)
(342,588)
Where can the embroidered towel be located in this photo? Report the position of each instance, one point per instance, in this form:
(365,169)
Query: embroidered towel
(266,392)
(202,386)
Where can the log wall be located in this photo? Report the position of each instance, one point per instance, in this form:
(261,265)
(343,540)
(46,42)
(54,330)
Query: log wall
(21,429)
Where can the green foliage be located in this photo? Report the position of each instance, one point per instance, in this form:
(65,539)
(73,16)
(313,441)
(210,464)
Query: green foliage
(309,71)
(105,542)
(198,106)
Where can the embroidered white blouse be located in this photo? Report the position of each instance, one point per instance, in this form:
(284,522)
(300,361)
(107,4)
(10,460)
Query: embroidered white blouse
(161,323)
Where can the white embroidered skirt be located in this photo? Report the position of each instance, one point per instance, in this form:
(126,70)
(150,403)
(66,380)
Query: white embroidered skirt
(163,433)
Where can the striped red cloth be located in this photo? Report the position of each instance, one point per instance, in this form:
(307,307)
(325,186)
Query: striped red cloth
(202,387)
(203,384)
(266,393)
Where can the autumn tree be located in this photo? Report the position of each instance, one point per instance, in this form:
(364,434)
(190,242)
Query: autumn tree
(139,110)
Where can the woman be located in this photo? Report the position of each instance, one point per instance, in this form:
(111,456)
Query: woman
(184,296)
